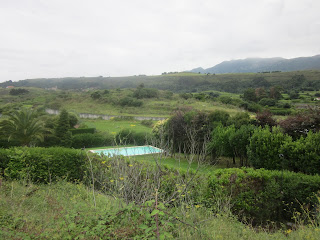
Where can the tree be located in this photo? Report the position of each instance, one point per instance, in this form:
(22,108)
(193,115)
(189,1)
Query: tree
(265,118)
(62,129)
(250,95)
(265,147)
(23,126)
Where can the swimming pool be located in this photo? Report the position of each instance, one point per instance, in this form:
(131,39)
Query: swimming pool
(128,151)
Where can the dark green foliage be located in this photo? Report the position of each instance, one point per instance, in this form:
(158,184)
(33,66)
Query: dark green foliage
(73,120)
(127,136)
(62,129)
(239,119)
(96,95)
(82,131)
(43,165)
(250,95)
(23,126)
(186,95)
(130,102)
(226,100)
(265,147)
(267,102)
(88,140)
(219,116)
(231,142)
(294,94)
(283,112)
(302,155)
(146,93)
(18,91)
(262,195)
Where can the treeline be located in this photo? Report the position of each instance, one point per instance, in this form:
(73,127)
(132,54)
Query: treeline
(292,144)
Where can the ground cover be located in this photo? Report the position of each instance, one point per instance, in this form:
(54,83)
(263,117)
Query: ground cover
(69,211)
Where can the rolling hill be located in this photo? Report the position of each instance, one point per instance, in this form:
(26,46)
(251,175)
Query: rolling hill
(263,65)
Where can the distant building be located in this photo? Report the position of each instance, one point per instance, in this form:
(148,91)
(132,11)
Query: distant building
(10,87)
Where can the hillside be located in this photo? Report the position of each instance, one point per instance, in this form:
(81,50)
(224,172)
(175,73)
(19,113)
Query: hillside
(177,82)
(263,65)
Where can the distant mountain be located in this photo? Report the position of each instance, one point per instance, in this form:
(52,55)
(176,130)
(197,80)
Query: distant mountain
(263,65)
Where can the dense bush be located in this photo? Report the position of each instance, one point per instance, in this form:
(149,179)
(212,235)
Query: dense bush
(264,148)
(43,165)
(88,140)
(262,195)
(130,102)
(302,155)
(127,136)
(18,91)
(267,102)
(146,93)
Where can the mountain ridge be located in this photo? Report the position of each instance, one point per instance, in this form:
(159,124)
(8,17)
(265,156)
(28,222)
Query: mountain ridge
(263,65)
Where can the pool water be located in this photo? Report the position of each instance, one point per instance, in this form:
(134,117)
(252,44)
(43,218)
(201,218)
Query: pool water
(128,151)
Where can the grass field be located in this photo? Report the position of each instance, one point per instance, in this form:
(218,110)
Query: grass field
(115,126)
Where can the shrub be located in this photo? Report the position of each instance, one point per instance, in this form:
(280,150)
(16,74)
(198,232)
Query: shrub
(303,155)
(262,195)
(43,165)
(267,102)
(264,148)
(91,140)
(127,136)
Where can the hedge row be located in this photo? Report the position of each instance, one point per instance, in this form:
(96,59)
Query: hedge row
(42,165)
(261,195)
(82,131)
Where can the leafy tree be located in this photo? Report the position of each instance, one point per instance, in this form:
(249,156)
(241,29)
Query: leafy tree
(239,119)
(220,142)
(303,155)
(250,95)
(239,141)
(275,92)
(267,102)
(23,126)
(265,147)
(219,116)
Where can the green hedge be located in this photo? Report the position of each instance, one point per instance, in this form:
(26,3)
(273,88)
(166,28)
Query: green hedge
(261,195)
(42,164)
(82,131)
(88,140)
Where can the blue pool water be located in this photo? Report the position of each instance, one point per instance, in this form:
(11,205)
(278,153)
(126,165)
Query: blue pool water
(129,151)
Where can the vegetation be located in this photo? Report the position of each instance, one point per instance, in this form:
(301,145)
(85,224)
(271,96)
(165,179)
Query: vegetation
(22,126)
(188,191)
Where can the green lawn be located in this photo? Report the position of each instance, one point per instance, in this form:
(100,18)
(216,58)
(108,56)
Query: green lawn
(115,126)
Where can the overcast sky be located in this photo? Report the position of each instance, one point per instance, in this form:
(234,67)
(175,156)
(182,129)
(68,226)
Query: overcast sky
(60,38)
